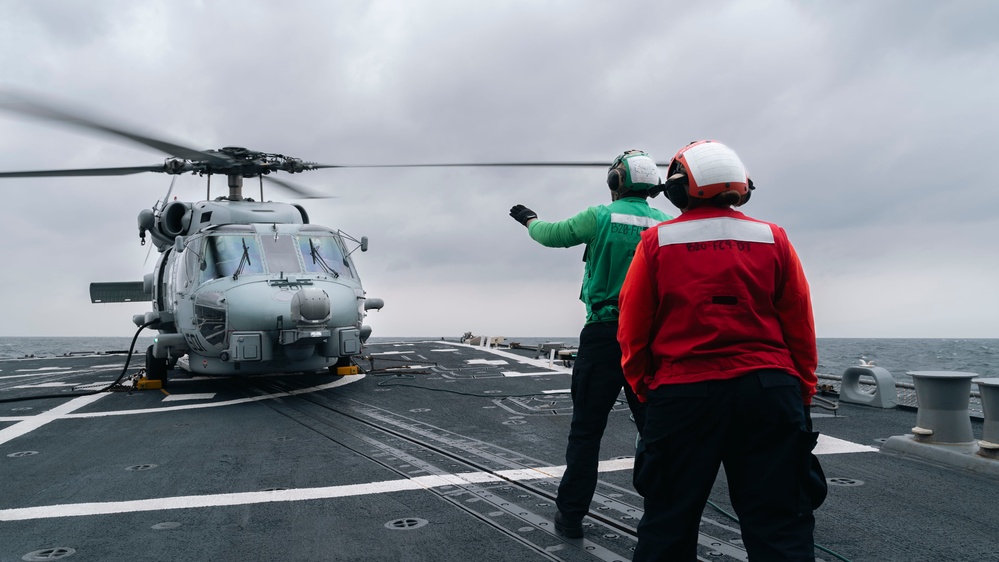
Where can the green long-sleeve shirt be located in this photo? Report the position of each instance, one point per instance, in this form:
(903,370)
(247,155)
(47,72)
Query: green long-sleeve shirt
(610,233)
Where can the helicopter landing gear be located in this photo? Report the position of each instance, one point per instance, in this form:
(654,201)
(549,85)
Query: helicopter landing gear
(156,369)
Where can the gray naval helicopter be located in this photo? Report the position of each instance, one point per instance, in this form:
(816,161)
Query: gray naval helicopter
(240,287)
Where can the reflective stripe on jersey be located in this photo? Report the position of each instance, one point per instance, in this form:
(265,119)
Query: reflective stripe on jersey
(634,220)
(709,230)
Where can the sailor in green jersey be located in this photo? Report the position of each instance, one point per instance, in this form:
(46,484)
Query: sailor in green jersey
(610,233)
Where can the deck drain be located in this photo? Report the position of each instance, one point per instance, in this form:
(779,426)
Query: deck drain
(166,525)
(406,524)
(844,482)
(141,467)
(49,553)
(20,454)
(273,489)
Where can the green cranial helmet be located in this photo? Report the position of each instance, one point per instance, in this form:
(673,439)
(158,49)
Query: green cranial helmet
(633,170)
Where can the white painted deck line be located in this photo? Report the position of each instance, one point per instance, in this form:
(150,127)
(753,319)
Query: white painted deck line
(177,397)
(537,374)
(832,446)
(487,362)
(329,492)
(541,363)
(340,382)
(31,423)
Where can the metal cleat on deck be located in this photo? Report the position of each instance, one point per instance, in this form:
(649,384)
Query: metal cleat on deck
(943,424)
(884,395)
(942,416)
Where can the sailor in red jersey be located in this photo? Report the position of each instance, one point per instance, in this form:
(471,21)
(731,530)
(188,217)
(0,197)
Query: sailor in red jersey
(717,338)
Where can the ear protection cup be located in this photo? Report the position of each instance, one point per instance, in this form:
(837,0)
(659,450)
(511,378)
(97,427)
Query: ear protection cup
(615,178)
(675,189)
(749,192)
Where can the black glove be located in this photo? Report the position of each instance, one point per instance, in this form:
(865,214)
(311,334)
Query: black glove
(522,214)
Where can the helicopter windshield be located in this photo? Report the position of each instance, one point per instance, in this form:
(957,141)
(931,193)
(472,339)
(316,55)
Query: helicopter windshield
(226,254)
(323,254)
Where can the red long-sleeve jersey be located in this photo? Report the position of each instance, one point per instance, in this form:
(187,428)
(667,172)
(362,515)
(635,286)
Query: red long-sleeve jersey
(714,294)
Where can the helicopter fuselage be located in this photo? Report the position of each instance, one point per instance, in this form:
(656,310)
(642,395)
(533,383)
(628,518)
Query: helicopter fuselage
(244,287)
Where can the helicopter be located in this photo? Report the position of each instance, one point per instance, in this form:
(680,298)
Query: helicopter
(240,286)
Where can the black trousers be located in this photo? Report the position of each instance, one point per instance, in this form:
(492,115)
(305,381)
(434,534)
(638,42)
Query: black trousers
(757,427)
(597,380)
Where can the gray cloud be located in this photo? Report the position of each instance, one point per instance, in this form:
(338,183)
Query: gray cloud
(867,126)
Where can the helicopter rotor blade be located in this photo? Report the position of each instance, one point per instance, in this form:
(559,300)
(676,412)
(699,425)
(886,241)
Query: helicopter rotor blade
(85,172)
(21,104)
(456,165)
(298,190)
(473,165)
(158,209)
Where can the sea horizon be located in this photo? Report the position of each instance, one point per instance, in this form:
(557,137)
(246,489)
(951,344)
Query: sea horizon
(897,355)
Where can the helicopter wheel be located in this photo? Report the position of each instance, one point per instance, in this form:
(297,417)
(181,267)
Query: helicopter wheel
(156,369)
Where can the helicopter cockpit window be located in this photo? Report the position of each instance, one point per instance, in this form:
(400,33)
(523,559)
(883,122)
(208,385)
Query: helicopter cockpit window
(323,254)
(282,256)
(226,254)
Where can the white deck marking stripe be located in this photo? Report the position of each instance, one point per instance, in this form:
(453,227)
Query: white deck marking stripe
(516,374)
(832,446)
(201,396)
(542,363)
(34,422)
(341,382)
(329,492)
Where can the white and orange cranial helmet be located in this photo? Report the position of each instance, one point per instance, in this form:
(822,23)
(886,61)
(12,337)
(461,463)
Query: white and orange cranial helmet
(710,168)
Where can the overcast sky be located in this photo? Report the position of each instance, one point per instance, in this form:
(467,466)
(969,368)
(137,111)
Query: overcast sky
(870,129)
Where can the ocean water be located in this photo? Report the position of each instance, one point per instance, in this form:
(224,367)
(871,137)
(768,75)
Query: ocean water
(979,356)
